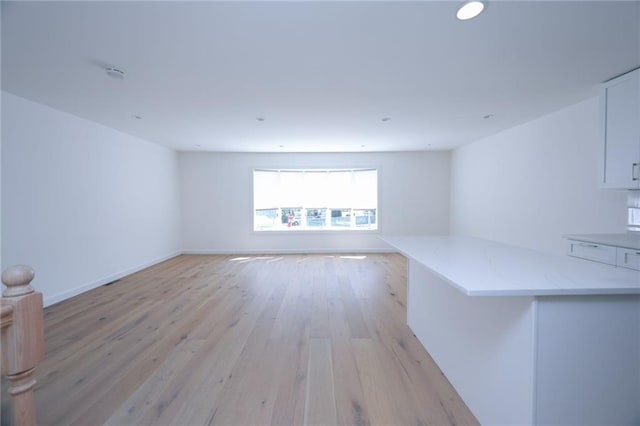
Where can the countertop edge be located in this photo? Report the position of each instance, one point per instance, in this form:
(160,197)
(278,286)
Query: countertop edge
(512,292)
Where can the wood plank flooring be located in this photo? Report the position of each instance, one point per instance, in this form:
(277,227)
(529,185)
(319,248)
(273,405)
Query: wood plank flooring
(244,340)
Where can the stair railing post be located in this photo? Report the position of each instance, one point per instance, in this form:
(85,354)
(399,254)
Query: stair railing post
(22,341)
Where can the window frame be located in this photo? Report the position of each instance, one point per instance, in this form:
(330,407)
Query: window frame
(323,230)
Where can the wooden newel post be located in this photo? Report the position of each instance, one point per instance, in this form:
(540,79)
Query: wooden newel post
(22,341)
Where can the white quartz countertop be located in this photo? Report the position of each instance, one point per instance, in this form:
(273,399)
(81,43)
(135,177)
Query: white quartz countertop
(485,268)
(630,241)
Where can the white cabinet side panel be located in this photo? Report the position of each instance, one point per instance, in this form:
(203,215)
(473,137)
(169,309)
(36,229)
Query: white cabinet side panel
(483,345)
(588,360)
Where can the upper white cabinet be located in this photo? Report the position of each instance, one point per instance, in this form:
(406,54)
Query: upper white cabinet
(620,100)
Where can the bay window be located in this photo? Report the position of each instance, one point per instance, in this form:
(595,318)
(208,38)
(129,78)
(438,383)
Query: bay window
(315,199)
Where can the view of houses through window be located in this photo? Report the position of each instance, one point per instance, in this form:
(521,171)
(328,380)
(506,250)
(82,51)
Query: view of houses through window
(313,199)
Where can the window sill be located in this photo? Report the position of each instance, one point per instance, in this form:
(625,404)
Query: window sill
(316,232)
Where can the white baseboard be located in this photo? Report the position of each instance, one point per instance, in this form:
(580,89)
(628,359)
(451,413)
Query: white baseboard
(90,286)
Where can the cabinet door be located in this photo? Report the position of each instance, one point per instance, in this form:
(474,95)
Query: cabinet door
(590,251)
(629,258)
(621,128)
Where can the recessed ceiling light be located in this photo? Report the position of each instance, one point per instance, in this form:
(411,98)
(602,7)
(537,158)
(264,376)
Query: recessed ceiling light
(115,73)
(470,10)
(385,119)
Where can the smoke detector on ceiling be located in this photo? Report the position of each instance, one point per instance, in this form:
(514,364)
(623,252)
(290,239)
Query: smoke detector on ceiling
(115,73)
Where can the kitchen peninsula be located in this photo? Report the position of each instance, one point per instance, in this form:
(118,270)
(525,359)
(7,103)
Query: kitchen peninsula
(527,337)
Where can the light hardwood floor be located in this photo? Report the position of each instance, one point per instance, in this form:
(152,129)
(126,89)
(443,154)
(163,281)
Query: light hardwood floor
(253,340)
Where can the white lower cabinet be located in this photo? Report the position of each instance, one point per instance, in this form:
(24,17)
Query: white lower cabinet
(616,256)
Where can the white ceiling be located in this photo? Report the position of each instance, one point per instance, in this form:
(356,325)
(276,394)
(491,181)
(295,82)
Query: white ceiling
(321,74)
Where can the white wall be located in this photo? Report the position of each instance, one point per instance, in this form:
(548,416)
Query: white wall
(217,198)
(529,185)
(82,203)
(1,93)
